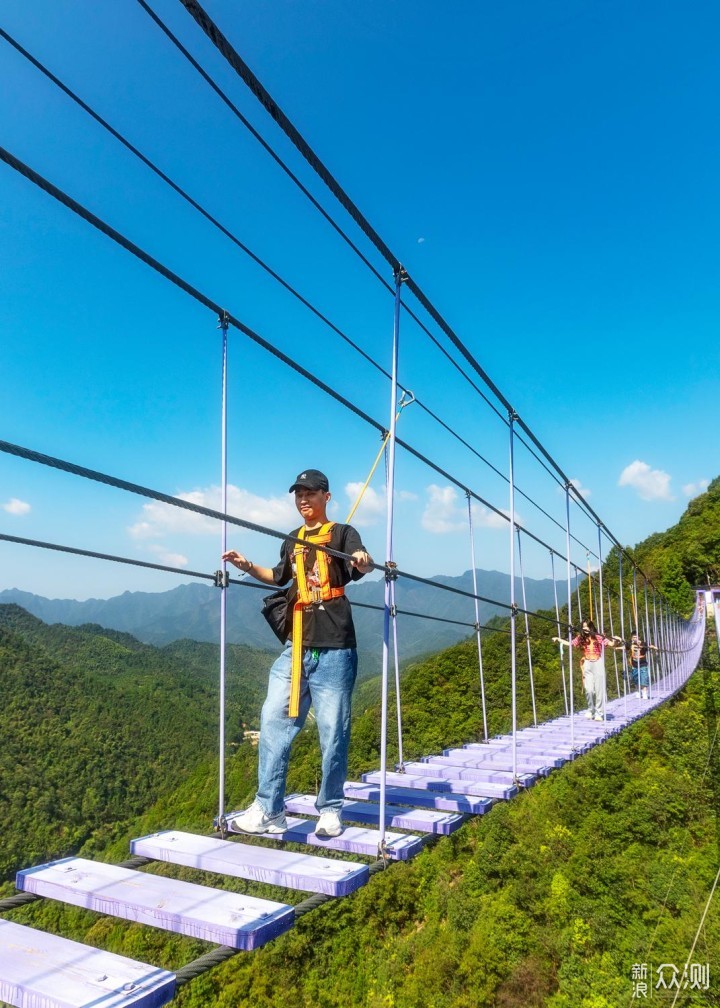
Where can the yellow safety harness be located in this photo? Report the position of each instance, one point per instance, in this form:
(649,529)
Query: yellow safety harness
(307,596)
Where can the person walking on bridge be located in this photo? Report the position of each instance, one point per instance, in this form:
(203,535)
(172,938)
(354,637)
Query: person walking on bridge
(592,645)
(318,666)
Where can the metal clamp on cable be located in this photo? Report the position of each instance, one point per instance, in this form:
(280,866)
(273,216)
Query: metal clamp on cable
(514,610)
(391,571)
(222,579)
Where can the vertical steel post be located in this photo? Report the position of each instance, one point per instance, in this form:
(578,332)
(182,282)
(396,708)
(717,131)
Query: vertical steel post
(223,326)
(569,605)
(400,277)
(477,617)
(512,417)
(527,630)
(559,633)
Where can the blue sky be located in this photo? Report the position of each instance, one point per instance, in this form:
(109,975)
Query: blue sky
(546,172)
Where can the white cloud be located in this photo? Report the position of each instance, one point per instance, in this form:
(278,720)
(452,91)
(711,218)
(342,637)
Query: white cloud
(420,241)
(443,514)
(16,507)
(159,520)
(651,484)
(693,489)
(372,507)
(167,558)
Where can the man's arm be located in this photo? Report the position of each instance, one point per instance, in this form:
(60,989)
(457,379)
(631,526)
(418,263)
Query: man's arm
(264,574)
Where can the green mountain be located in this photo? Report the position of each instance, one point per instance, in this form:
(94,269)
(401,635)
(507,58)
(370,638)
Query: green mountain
(560,898)
(96,726)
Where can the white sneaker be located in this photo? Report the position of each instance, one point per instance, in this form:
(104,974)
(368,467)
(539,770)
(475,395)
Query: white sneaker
(598,717)
(329,824)
(644,693)
(588,714)
(256,820)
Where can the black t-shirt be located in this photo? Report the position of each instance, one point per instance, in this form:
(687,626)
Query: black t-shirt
(325,624)
(638,653)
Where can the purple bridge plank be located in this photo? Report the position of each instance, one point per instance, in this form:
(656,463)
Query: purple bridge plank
(480,758)
(526,745)
(39,970)
(425,781)
(353,839)
(417,819)
(490,776)
(232,919)
(261,864)
(443,766)
(469,804)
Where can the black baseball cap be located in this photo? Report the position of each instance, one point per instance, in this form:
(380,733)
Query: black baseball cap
(310,479)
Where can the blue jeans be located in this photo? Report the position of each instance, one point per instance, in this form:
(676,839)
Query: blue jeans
(328,678)
(639,676)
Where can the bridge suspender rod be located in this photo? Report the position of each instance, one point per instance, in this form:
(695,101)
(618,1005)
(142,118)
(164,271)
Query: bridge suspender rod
(569,616)
(473,567)
(626,668)
(398,698)
(561,649)
(389,564)
(513,604)
(527,629)
(612,634)
(223,326)
(646,637)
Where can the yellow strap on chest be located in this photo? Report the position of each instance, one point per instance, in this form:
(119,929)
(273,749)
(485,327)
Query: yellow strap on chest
(306,595)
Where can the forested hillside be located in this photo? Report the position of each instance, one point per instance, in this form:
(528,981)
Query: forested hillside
(549,900)
(688,554)
(96,726)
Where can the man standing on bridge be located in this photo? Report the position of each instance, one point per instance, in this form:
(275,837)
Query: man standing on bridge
(319,664)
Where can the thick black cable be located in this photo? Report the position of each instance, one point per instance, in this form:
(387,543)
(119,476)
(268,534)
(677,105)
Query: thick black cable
(244,583)
(222,953)
(223,45)
(215,87)
(207,302)
(107,556)
(189,199)
(174,278)
(240,244)
(248,125)
(135,488)
(244,248)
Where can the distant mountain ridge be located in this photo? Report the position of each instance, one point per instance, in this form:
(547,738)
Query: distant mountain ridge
(191,611)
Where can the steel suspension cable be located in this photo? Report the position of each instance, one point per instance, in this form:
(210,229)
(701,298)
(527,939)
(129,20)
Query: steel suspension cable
(236,241)
(227,50)
(218,311)
(241,582)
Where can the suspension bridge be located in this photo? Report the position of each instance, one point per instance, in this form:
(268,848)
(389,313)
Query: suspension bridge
(395,809)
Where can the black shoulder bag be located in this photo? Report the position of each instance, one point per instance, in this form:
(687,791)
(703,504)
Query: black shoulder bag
(277,612)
